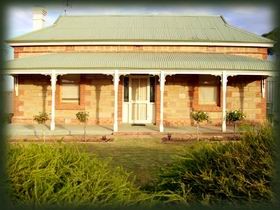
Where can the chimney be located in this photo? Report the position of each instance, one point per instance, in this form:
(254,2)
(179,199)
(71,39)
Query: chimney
(39,15)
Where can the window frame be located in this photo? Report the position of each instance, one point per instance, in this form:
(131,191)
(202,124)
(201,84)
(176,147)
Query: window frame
(206,107)
(215,101)
(76,84)
(60,105)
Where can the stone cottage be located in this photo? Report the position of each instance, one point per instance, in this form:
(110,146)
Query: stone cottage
(138,69)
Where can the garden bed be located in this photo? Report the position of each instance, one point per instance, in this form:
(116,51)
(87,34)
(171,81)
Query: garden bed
(76,138)
(184,138)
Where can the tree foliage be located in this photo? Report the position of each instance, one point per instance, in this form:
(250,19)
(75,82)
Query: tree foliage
(273,35)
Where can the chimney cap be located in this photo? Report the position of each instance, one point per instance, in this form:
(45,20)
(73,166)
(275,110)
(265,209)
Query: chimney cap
(39,16)
(40,10)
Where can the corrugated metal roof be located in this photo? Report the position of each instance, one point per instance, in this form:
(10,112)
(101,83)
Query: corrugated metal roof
(172,61)
(141,28)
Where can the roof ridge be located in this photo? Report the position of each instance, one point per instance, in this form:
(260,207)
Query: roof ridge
(184,28)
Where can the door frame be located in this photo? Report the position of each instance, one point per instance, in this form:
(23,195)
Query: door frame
(149,114)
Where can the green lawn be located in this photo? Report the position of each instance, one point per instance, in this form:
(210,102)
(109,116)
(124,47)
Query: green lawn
(141,157)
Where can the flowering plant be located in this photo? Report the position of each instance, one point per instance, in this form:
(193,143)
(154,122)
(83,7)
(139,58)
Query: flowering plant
(41,119)
(234,116)
(199,117)
(83,118)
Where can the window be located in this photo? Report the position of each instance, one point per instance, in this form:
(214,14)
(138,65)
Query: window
(152,89)
(208,90)
(126,89)
(70,89)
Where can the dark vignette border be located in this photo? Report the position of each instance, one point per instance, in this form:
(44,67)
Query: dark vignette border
(4,198)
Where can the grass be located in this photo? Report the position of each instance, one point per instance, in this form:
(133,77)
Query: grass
(142,157)
(215,172)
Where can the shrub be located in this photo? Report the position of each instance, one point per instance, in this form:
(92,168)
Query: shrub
(199,117)
(42,118)
(63,175)
(212,173)
(83,118)
(234,116)
(7,118)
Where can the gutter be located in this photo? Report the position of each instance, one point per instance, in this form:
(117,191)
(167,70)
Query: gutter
(147,43)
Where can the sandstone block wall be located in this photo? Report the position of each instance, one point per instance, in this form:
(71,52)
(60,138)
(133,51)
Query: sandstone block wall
(35,96)
(180,98)
(26,51)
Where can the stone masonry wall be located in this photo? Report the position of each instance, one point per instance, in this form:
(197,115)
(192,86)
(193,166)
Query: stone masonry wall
(244,93)
(180,98)
(26,51)
(35,96)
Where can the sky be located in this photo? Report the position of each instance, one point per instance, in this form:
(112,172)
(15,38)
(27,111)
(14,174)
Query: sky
(258,19)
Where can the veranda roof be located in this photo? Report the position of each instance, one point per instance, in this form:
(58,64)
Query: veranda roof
(162,61)
(148,28)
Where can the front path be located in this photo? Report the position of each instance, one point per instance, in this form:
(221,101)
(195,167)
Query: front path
(37,131)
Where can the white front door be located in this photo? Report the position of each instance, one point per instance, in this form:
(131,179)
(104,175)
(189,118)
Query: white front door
(139,103)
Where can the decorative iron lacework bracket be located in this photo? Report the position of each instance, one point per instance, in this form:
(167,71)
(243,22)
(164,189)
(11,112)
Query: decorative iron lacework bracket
(116,78)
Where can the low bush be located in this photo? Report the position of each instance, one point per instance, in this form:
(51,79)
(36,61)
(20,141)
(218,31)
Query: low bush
(60,174)
(213,173)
